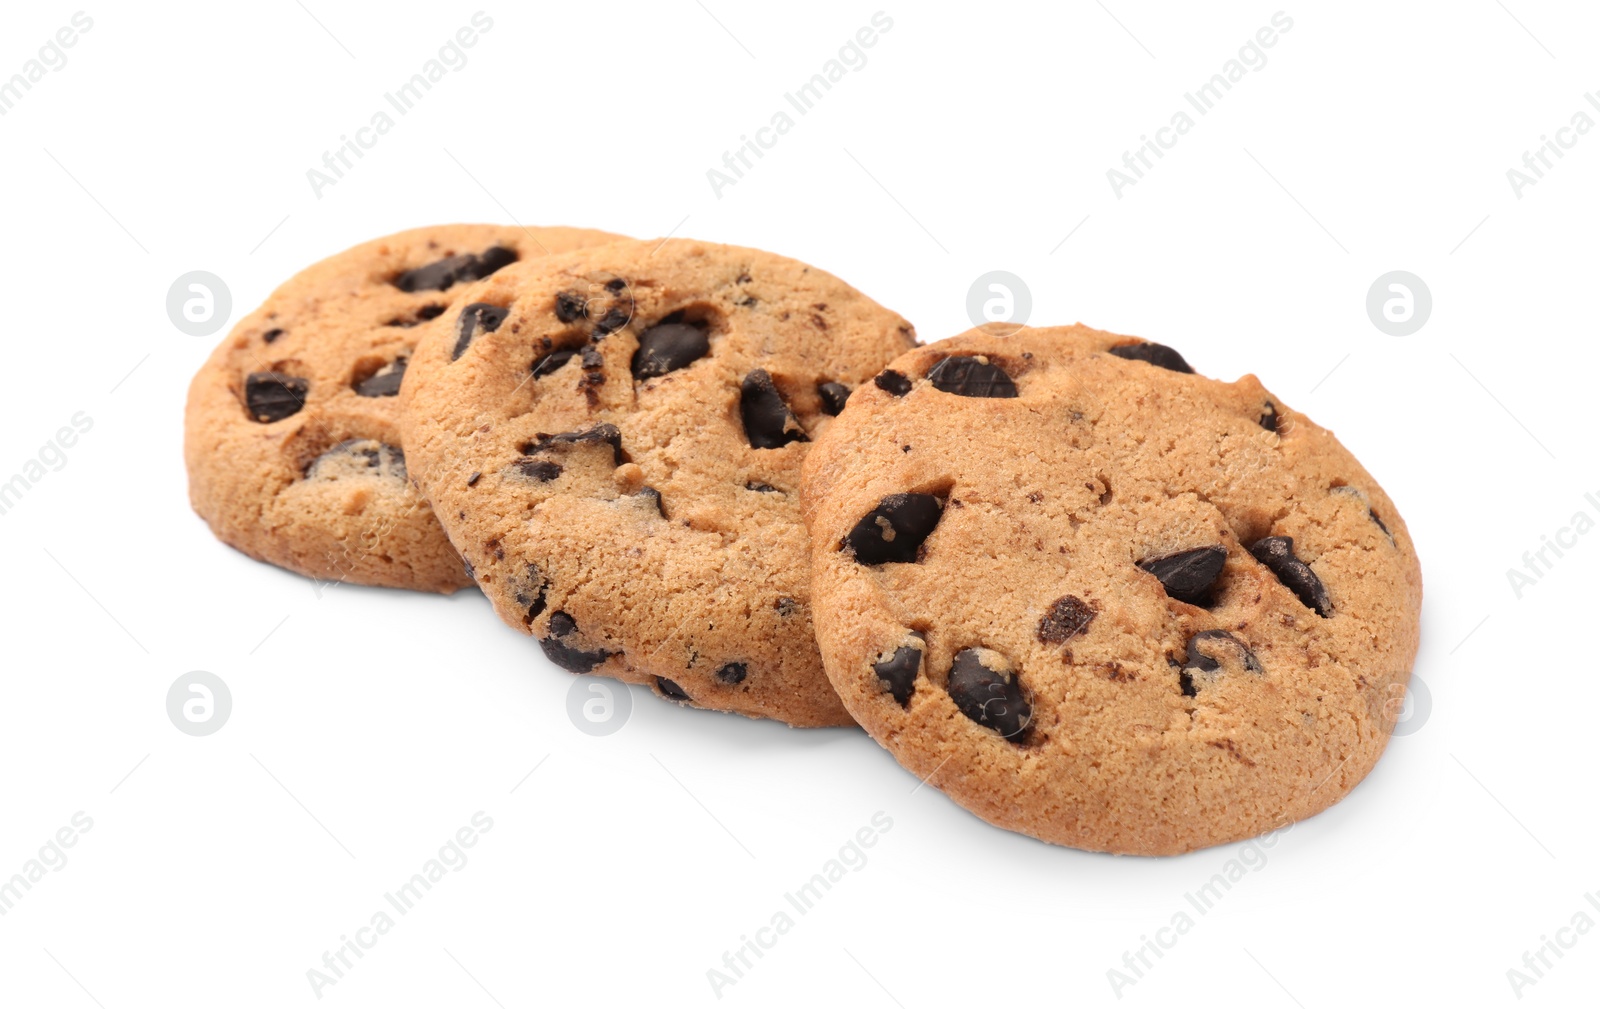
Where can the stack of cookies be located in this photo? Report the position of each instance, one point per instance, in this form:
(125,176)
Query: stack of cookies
(1091,595)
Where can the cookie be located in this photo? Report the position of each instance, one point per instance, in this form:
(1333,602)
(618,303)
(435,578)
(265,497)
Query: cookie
(1102,600)
(291,432)
(613,439)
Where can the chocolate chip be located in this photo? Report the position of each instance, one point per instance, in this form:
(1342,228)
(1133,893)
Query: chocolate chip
(893,532)
(466,566)
(1219,643)
(571,306)
(892,382)
(542,470)
(786,607)
(478,316)
(1269,417)
(551,361)
(423,314)
(972,376)
(445,273)
(1374,517)
(568,656)
(768,421)
(654,497)
(613,320)
(600,434)
(1154,353)
(987,690)
(472,481)
(762,488)
(270,335)
(1066,618)
(1358,493)
(272,395)
(1189,575)
(733,672)
(669,346)
(358,457)
(1277,553)
(833,395)
(385,381)
(616,284)
(529,592)
(671,690)
(897,672)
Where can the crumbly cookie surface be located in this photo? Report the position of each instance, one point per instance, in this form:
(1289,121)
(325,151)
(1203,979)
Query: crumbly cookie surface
(613,440)
(1102,600)
(291,432)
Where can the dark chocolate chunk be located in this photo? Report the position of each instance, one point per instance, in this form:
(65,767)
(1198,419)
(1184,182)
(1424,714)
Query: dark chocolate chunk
(551,361)
(616,284)
(445,273)
(768,421)
(897,674)
(1189,575)
(992,697)
(962,375)
(833,396)
(1066,618)
(668,346)
(542,470)
(568,656)
(671,690)
(893,532)
(600,434)
(1374,517)
(529,592)
(270,335)
(614,319)
(1277,553)
(476,317)
(654,497)
(733,672)
(354,456)
(892,382)
(571,306)
(421,315)
(385,381)
(1269,417)
(1358,493)
(272,395)
(1154,353)
(1209,663)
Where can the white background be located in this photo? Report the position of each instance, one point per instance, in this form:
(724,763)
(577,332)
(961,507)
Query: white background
(369,725)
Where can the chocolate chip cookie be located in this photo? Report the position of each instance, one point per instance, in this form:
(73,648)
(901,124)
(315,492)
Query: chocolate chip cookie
(613,438)
(291,433)
(1102,600)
